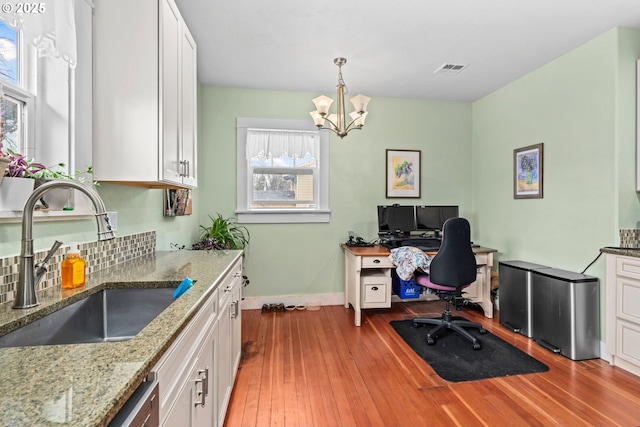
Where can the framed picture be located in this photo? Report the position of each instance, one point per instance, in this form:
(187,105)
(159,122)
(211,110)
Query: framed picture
(528,172)
(403,173)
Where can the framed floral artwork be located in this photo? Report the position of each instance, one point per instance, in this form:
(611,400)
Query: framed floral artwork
(403,173)
(528,172)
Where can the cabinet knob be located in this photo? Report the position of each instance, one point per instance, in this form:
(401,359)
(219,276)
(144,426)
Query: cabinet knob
(374,288)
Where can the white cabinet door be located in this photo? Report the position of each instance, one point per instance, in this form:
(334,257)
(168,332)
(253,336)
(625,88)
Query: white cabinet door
(203,395)
(229,341)
(189,123)
(236,329)
(170,46)
(195,405)
(224,361)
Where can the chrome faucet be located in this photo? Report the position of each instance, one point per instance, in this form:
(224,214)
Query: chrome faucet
(30,274)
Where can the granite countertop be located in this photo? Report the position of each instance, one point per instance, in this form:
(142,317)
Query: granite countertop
(633,252)
(86,384)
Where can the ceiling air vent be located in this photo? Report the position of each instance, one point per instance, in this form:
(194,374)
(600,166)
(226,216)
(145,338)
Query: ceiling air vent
(450,69)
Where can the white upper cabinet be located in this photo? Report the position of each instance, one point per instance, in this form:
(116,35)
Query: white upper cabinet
(145,117)
(189,111)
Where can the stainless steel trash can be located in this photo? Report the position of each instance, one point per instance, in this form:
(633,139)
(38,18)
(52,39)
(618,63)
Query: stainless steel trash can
(566,312)
(515,295)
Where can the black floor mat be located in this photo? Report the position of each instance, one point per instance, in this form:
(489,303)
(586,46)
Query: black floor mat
(454,359)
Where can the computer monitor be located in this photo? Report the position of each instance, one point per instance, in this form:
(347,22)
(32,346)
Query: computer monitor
(432,218)
(396,219)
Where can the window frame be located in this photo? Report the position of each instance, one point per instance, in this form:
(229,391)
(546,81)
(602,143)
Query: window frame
(245,214)
(27,119)
(52,138)
(22,92)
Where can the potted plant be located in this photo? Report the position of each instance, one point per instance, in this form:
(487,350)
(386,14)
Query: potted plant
(21,175)
(221,234)
(19,166)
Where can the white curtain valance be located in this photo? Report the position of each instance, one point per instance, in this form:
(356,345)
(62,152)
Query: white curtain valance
(267,144)
(51,29)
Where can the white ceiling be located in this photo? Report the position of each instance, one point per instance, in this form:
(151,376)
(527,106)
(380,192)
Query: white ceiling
(392,47)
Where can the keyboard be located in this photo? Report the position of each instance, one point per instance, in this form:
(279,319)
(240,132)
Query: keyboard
(424,244)
(428,248)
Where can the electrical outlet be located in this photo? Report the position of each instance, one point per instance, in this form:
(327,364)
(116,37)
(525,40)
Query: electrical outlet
(113,220)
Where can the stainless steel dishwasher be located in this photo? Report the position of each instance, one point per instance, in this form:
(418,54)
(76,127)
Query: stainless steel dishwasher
(142,408)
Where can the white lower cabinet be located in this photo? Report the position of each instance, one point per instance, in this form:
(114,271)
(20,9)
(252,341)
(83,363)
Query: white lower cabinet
(195,405)
(224,362)
(229,323)
(623,312)
(197,373)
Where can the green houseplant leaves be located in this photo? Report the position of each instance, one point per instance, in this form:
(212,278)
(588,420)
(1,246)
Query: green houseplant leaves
(222,233)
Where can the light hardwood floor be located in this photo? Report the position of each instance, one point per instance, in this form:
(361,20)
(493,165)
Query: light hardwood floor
(315,368)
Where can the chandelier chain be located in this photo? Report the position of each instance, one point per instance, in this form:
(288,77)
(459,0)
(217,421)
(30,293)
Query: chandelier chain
(341,80)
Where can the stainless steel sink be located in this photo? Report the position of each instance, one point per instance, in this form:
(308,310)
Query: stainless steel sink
(106,316)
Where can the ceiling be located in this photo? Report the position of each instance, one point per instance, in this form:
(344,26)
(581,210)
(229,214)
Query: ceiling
(392,48)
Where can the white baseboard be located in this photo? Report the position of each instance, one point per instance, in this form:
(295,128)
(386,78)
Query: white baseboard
(604,354)
(249,303)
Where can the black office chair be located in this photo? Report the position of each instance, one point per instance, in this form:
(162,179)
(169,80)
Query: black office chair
(452,269)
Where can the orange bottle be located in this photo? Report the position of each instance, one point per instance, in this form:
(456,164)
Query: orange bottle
(73,269)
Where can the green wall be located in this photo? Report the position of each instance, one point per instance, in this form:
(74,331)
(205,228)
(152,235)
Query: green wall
(582,107)
(292,259)
(569,106)
(628,47)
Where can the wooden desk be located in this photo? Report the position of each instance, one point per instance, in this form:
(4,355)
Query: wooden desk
(367,279)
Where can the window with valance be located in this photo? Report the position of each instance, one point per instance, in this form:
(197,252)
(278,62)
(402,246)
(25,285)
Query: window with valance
(282,171)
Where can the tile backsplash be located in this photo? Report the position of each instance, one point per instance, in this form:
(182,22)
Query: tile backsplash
(98,255)
(629,238)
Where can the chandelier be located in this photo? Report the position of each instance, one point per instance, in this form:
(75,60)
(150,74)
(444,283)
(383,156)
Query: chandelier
(337,122)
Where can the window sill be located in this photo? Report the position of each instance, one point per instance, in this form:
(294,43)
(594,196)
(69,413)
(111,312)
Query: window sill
(16,216)
(282,216)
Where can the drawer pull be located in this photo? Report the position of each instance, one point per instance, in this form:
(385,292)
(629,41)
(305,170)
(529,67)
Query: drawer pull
(376,261)
(234,309)
(205,386)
